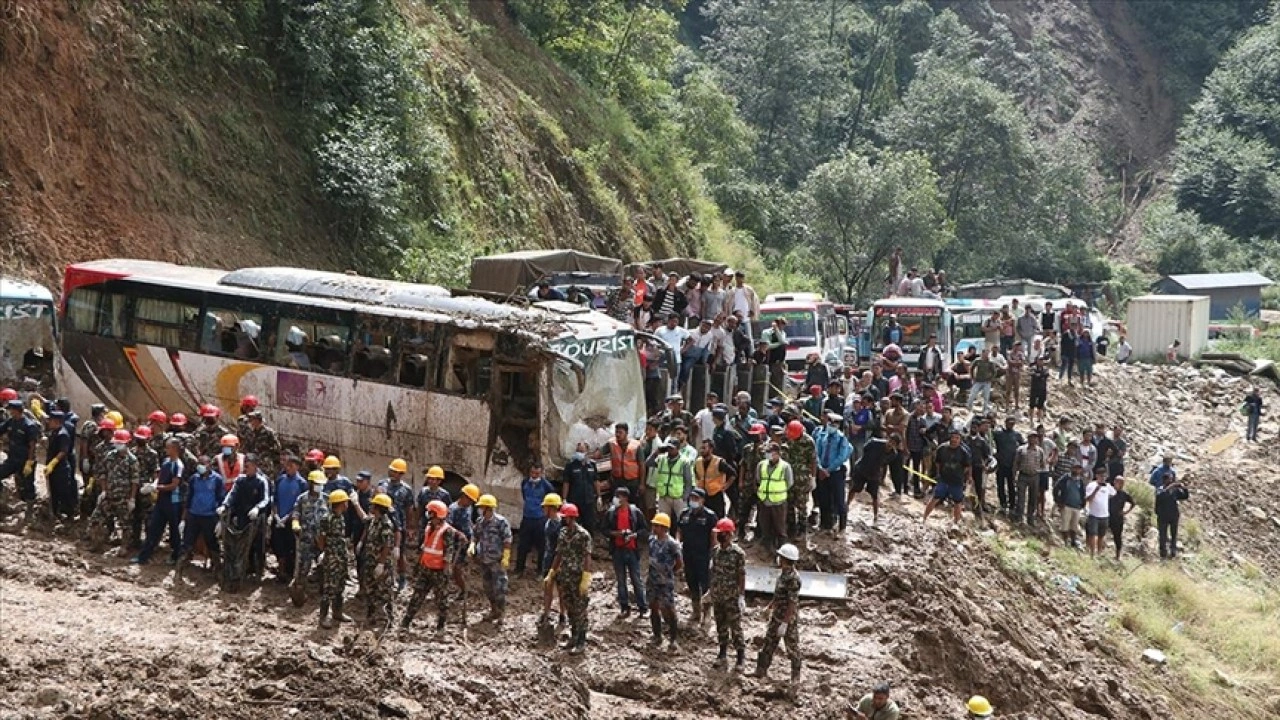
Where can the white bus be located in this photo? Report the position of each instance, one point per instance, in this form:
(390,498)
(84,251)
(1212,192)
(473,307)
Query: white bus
(362,368)
(26,332)
(812,326)
(919,318)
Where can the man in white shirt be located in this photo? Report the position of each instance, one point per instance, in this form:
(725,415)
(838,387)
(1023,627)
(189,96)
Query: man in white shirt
(744,299)
(1098,498)
(1125,352)
(676,338)
(698,350)
(703,422)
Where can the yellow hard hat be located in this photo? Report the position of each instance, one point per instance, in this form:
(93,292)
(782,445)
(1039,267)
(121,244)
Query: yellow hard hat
(552,500)
(662,519)
(487,501)
(398,465)
(115,417)
(979,706)
(435,471)
(332,463)
(338,496)
(317,477)
(381,500)
(471,491)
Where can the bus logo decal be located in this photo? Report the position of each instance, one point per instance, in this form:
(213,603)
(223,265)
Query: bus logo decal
(291,389)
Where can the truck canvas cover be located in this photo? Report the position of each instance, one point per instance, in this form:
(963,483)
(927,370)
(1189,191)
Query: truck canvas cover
(516,272)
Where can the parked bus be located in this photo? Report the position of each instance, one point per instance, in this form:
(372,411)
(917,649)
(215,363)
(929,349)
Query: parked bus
(812,326)
(919,318)
(363,368)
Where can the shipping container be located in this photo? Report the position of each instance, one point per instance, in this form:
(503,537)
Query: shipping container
(1154,321)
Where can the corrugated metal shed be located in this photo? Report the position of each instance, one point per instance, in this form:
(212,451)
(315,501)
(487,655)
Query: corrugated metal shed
(1154,321)
(1213,281)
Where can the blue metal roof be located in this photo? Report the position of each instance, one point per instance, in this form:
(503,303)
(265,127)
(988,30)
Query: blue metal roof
(1209,281)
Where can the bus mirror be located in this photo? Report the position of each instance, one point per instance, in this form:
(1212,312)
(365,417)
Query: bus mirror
(842,326)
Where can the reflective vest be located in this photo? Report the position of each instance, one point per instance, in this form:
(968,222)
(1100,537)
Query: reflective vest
(433,548)
(773,483)
(670,477)
(710,477)
(624,462)
(230,472)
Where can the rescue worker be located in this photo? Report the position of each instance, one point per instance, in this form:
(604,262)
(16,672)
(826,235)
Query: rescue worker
(774,486)
(248,406)
(335,480)
(313,460)
(119,475)
(20,464)
(86,436)
(257,438)
(331,540)
(158,422)
(230,462)
(305,520)
(833,452)
(247,500)
(402,516)
(431,490)
(727,595)
(712,475)
(626,469)
(748,476)
(167,510)
(461,517)
(491,546)
(578,485)
(97,479)
(59,469)
(441,544)
(726,443)
(205,493)
(694,530)
(571,573)
(208,437)
(289,488)
(624,523)
(551,532)
(785,620)
(376,553)
(533,489)
(664,562)
(148,471)
(672,478)
(802,455)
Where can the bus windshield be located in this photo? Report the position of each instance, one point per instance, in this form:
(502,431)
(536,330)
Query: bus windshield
(800,323)
(613,392)
(917,325)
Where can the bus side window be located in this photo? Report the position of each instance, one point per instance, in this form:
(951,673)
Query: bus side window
(469,370)
(374,350)
(312,346)
(417,348)
(83,311)
(165,323)
(231,332)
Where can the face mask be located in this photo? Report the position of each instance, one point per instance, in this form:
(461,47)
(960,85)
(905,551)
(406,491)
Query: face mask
(227,452)
(202,469)
(118,445)
(695,504)
(579,456)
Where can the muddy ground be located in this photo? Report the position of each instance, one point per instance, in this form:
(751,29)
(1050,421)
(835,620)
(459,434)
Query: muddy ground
(930,609)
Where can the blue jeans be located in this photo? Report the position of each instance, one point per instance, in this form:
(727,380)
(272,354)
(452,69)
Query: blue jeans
(693,356)
(1252,432)
(983,388)
(164,516)
(627,562)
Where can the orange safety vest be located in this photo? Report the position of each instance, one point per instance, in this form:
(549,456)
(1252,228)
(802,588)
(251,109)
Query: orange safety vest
(229,473)
(624,463)
(433,548)
(709,475)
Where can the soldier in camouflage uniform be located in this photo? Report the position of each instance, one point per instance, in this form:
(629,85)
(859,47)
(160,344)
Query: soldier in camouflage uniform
(492,548)
(86,438)
(119,473)
(208,437)
(665,560)
(752,455)
(801,452)
(375,555)
(331,539)
(727,593)
(784,621)
(571,571)
(148,469)
(261,440)
(99,446)
(441,545)
(305,520)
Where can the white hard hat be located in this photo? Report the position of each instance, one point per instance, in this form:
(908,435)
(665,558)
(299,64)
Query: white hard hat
(295,336)
(790,552)
(250,328)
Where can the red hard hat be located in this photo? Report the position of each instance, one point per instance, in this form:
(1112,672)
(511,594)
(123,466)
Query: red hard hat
(795,429)
(758,429)
(177,420)
(315,455)
(569,510)
(249,401)
(815,389)
(142,433)
(725,525)
(229,440)
(210,411)
(122,436)
(8,394)
(106,424)
(158,416)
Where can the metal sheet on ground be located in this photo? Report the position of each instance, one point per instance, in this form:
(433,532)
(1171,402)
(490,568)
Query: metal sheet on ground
(822,586)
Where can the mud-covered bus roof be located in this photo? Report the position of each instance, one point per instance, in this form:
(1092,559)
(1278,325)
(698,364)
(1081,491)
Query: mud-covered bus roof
(12,288)
(548,321)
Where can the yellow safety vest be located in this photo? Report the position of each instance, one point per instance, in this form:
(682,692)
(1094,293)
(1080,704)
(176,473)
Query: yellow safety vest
(670,475)
(710,477)
(773,483)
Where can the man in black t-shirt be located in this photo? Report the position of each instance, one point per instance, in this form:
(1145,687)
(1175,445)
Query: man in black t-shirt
(954,467)
(1120,504)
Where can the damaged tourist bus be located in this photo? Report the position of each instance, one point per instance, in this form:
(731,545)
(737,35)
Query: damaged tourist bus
(26,333)
(363,368)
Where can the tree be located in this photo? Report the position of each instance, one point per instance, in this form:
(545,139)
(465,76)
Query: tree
(854,213)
